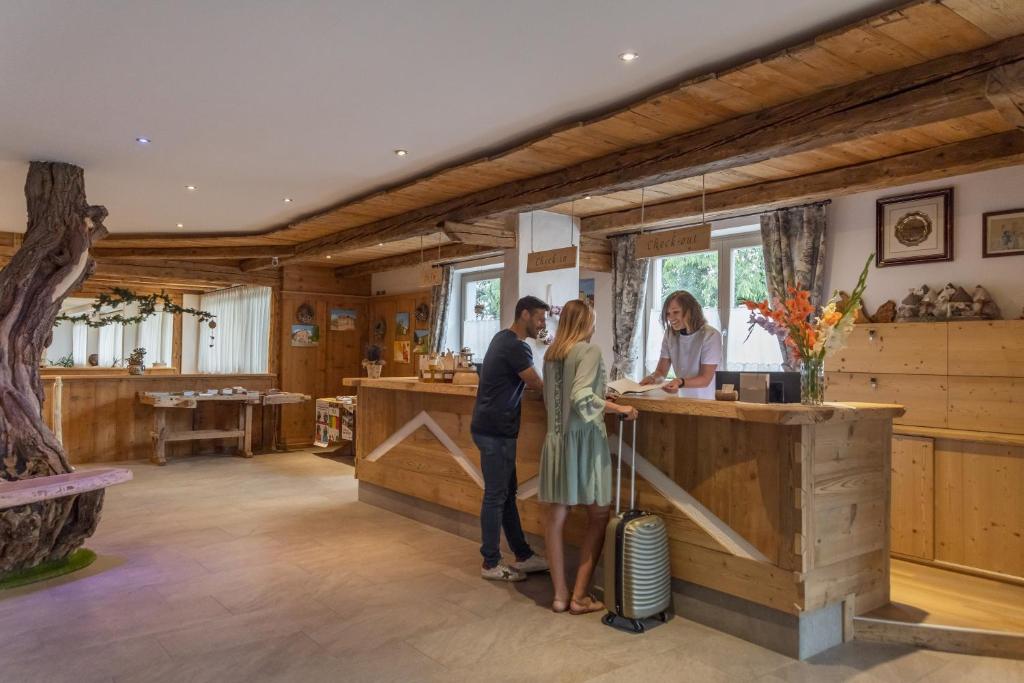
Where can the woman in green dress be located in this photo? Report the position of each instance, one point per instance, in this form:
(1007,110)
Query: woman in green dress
(575,463)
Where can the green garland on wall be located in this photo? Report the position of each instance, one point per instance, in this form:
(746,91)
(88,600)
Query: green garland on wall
(123,297)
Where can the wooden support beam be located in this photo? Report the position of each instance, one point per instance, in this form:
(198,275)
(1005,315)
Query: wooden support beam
(449,252)
(1006,92)
(937,90)
(192,253)
(481,235)
(250,265)
(991,151)
(181,272)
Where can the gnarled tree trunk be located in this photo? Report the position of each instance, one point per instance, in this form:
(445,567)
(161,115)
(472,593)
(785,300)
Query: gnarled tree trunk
(53,261)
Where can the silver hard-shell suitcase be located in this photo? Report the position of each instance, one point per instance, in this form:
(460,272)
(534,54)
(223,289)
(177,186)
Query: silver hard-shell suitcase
(637,573)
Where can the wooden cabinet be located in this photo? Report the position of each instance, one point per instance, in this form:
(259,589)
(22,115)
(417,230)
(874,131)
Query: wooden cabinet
(958,480)
(913,348)
(987,349)
(924,396)
(987,404)
(913,496)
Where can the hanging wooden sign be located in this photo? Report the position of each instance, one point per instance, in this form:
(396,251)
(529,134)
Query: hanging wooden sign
(552,259)
(430,275)
(668,242)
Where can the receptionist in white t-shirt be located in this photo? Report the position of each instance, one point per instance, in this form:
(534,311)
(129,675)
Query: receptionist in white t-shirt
(692,348)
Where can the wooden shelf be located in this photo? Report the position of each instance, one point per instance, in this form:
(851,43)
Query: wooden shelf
(204,434)
(961,435)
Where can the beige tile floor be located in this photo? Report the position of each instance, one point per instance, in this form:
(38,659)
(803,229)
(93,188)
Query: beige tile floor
(222,569)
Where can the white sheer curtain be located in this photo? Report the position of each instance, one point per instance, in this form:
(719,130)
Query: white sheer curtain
(111,344)
(80,344)
(242,337)
(155,335)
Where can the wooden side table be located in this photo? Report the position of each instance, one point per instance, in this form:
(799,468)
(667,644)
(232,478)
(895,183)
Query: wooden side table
(163,402)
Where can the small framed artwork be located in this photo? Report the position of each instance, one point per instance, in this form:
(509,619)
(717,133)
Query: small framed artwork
(419,341)
(915,228)
(403,352)
(343,319)
(587,290)
(1002,233)
(305,335)
(401,324)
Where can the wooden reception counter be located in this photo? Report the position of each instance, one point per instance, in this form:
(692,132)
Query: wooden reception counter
(781,506)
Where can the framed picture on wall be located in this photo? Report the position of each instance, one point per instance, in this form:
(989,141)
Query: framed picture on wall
(1002,233)
(343,319)
(915,228)
(401,324)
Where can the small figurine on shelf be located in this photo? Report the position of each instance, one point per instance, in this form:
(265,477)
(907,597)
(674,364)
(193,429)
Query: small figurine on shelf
(886,313)
(961,305)
(374,361)
(984,306)
(135,364)
(928,303)
(909,308)
(942,306)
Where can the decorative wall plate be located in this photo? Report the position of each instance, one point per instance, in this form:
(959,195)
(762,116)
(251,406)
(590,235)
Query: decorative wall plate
(423,313)
(305,314)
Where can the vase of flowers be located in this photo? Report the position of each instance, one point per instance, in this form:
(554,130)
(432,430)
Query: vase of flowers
(374,361)
(809,338)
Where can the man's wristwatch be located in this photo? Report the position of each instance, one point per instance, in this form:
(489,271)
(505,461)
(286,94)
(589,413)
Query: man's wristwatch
(682,381)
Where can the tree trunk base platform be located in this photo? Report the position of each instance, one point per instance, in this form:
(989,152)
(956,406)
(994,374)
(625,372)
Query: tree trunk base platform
(80,559)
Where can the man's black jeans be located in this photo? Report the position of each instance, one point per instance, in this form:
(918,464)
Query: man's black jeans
(499,511)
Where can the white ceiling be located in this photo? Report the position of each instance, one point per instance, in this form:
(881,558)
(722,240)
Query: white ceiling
(254,101)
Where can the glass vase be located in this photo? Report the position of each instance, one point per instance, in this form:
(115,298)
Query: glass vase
(812,382)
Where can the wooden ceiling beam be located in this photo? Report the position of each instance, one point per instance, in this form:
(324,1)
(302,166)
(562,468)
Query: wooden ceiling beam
(1006,92)
(977,154)
(181,272)
(937,90)
(449,253)
(480,235)
(192,253)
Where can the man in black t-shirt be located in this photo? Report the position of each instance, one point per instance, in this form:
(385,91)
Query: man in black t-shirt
(506,372)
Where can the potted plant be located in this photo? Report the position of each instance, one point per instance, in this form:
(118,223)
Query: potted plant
(135,363)
(374,361)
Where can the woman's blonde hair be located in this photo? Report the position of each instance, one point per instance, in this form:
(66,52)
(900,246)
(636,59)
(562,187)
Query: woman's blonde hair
(576,324)
(689,304)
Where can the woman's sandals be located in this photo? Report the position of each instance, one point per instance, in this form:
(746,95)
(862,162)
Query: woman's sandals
(585,606)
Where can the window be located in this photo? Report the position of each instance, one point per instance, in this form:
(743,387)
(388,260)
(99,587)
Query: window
(480,310)
(241,340)
(720,279)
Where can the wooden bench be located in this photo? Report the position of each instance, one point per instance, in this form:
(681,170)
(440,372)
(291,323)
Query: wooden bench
(162,436)
(27,491)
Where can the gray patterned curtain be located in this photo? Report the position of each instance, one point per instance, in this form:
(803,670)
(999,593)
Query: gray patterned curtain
(629,289)
(794,253)
(440,298)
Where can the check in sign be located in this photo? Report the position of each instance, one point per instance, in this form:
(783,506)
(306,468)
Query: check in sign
(670,242)
(552,259)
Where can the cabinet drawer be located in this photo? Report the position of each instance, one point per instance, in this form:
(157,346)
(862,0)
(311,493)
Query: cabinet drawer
(987,348)
(918,348)
(924,396)
(987,404)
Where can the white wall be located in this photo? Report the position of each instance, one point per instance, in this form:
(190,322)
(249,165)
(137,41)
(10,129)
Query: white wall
(541,231)
(398,281)
(852,237)
(603,306)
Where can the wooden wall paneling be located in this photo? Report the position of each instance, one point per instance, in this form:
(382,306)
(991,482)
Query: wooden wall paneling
(894,348)
(176,334)
(302,369)
(913,496)
(979,519)
(988,404)
(345,347)
(992,348)
(274,345)
(924,396)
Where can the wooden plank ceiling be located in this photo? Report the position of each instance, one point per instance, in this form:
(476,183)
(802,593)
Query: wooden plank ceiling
(897,40)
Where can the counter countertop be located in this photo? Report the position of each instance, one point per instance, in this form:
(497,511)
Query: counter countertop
(661,402)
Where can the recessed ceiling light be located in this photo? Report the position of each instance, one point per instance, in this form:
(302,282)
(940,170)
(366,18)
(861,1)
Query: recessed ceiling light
(381,244)
(401,152)
(181,225)
(586,196)
(328,256)
(628,56)
(287,200)
(142,141)
(191,188)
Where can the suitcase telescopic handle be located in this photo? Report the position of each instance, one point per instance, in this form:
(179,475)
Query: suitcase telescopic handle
(632,469)
(618,477)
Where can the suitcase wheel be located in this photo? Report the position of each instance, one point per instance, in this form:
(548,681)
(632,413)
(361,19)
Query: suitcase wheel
(608,619)
(638,627)
(664,617)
